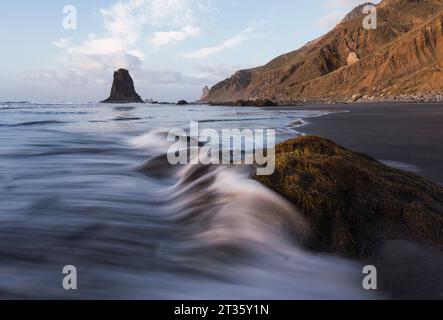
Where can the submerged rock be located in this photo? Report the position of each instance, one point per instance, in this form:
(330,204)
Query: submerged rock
(353,202)
(123,90)
(182,103)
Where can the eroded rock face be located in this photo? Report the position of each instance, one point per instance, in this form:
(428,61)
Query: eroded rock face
(403,56)
(123,90)
(354,203)
(356,12)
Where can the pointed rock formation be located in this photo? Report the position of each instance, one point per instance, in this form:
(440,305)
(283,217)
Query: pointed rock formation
(205,93)
(123,90)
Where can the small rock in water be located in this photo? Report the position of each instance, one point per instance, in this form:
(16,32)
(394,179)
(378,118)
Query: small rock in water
(182,102)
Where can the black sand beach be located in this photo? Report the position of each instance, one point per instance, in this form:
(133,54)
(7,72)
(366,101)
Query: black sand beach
(408,136)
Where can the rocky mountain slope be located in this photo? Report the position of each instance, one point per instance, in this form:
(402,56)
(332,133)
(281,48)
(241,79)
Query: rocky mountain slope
(403,56)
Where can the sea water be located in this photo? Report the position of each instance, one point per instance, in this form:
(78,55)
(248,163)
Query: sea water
(88,185)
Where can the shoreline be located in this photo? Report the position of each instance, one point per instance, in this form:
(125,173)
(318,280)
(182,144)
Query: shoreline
(359,208)
(427,98)
(404,135)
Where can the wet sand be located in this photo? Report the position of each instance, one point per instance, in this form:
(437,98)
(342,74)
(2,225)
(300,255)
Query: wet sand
(407,136)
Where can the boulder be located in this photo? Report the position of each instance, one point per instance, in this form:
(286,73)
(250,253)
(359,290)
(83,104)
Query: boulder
(353,202)
(182,103)
(352,58)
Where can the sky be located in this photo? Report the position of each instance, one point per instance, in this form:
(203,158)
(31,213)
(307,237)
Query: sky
(54,51)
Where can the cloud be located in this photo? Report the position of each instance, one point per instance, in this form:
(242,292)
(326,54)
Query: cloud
(99,45)
(127,19)
(63,43)
(163,38)
(218,72)
(235,41)
(103,62)
(143,78)
(124,25)
(151,77)
(65,77)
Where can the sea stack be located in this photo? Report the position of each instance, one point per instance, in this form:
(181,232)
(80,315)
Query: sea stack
(205,93)
(123,90)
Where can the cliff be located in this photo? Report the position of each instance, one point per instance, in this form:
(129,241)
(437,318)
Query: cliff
(403,56)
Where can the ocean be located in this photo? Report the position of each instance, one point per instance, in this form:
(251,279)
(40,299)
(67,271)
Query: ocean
(88,185)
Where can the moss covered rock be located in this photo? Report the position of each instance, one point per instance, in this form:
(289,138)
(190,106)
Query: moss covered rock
(353,202)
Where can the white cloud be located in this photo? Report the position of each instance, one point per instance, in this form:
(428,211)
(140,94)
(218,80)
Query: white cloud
(103,62)
(124,25)
(127,19)
(99,45)
(125,22)
(150,77)
(227,44)
(163,38)
(63,42)
(65,77)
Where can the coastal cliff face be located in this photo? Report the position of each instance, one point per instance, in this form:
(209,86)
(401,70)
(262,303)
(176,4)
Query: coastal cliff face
(205,93)
(404,55)
(123,90)
(353,203)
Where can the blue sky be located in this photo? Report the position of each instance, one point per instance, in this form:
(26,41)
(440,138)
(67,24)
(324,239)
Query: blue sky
(172,47)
